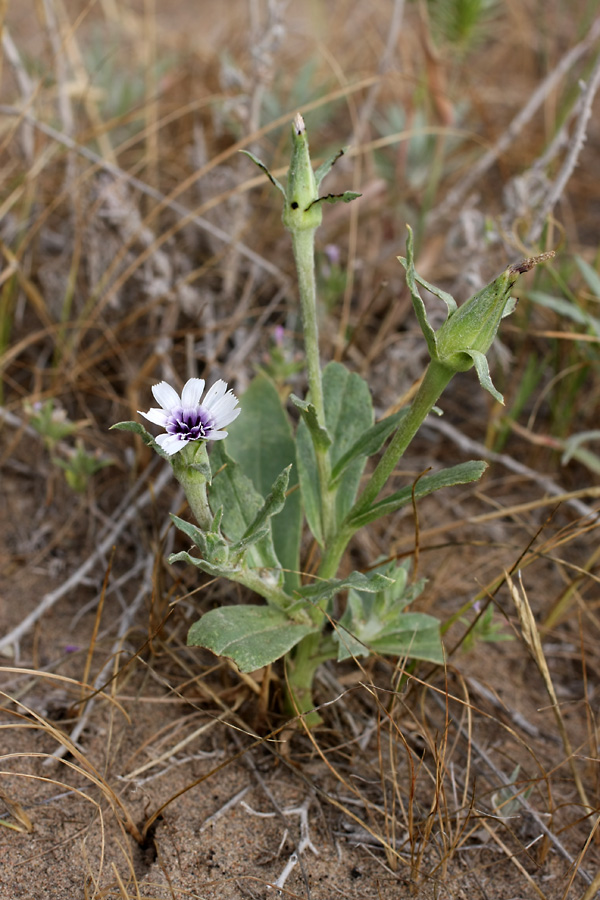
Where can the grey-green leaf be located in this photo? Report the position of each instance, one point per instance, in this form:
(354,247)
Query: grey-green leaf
(346,197)
(258,162)
(308,475)
(327,166)
(241,503)
(261,441)
(327,589)
(348,415)
(419,306)
(320,435)
(147,438)
(271,507)
(417,635)
(483,373)
(252,636)
(370,442)
(464,473)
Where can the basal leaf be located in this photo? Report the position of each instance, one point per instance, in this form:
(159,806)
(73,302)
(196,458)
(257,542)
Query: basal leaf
(309,480)
(261,441)
(417,635)
(348,415)
(252,636)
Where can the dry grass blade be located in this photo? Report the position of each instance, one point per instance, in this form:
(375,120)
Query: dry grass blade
(17,811)
(531,636)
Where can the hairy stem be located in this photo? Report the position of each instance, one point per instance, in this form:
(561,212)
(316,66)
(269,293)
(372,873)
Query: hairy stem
(303,242)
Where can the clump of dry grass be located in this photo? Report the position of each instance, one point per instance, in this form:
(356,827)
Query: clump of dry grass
(136,245)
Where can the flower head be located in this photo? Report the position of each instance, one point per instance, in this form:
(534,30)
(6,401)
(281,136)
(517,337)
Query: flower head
(187,419)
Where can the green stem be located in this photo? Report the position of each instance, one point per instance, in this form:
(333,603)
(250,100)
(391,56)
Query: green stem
(332,556)
(195,492)
(436,379)
(191,469)
(434,382)
(303,243)
(251,579)
(308,655)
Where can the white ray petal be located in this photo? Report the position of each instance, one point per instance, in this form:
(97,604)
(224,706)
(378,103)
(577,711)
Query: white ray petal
(158,416)
(226,411)
(166,396)
(192,392)
(170,443)
(214,394)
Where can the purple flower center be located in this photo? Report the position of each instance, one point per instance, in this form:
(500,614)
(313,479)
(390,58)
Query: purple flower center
(190,424)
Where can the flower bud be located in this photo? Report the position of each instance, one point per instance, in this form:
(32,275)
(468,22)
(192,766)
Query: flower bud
(301,212)
(473,326)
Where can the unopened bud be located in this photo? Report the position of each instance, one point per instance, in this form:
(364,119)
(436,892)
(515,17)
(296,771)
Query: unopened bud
(301,212)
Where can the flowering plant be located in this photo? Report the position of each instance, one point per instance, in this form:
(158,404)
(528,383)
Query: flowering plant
(249,525)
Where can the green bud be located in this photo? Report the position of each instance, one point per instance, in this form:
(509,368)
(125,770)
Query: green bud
(473,326)
(301,211)
(468,332)
(302,204)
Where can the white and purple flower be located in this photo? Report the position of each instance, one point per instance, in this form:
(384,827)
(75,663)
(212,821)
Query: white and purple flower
(187,419)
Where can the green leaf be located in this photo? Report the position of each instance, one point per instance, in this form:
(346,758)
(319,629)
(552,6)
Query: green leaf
(592,279)
(261,441)
(241,504)
(213,568)
(447,298)
(320,436)
(147,438)
(463,473)
(346,197)
(261,581)
(327,166)
(273,505)
(370,442)
(377,622)
(211,544)
(348,415)
(483,373)
(419,306)
(252,636)
(308,475)
(258,162)
(327,589)
(416,635)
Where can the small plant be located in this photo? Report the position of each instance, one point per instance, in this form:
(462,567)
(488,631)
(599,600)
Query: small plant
(249,512)
(80,466)
(485,628)
(52,424)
